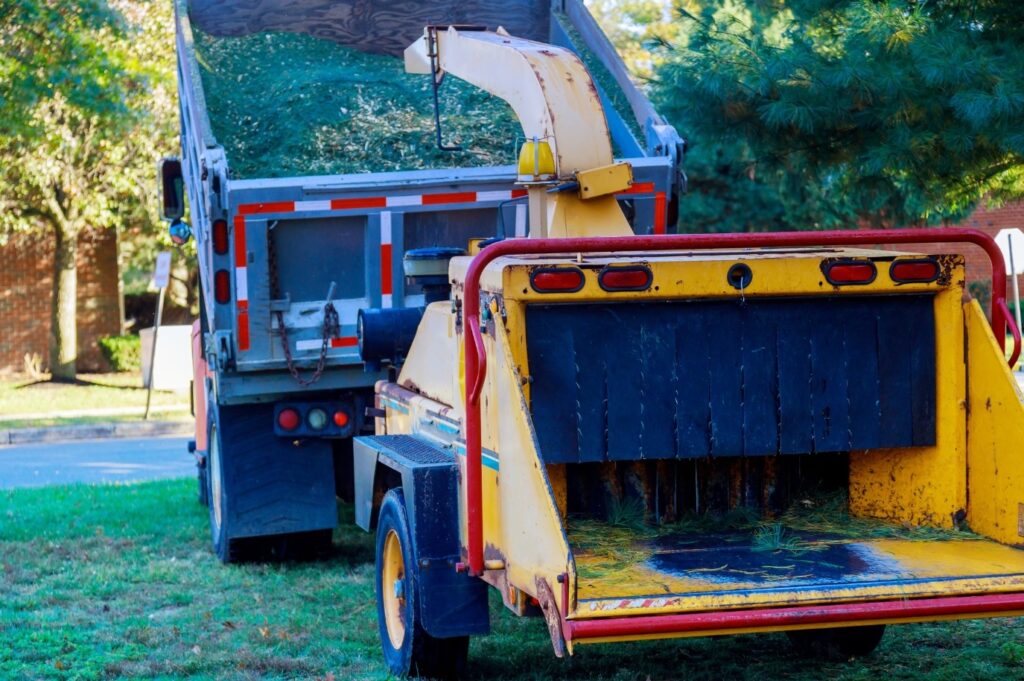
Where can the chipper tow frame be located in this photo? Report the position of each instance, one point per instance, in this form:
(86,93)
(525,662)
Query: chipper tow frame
(571,421)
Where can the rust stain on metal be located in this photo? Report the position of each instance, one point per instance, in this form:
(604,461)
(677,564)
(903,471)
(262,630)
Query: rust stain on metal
(549,606)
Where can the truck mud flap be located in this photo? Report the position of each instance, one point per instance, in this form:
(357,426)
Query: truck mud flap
(274,486)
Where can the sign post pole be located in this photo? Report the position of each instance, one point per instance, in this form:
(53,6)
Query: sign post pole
(161,277)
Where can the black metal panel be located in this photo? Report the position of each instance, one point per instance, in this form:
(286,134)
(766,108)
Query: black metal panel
(613,382)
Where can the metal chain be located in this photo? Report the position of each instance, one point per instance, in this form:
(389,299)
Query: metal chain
(331,322)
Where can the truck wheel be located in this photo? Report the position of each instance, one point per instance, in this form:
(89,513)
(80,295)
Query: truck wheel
(227,550)
(841,643)
(408,649)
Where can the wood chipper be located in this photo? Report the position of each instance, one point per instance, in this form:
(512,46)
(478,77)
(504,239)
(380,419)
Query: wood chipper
(641,437)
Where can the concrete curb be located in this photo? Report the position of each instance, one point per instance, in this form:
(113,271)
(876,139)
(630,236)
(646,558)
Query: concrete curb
(96,431)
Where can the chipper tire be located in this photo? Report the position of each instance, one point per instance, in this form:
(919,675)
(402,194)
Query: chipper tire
(837,644)
(408,649)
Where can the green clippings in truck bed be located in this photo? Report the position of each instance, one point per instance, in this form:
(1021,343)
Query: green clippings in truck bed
(285,104)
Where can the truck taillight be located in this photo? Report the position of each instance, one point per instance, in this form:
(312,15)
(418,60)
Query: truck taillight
(220,237)
(222,286)
(846,272)
(914,271)
(557,280)
(288,419)
(633,278)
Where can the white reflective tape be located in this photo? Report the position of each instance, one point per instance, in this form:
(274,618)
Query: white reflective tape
(520,220)
(241,283)
(396,201)
(312,205)
(385,228)
(494,196)
(385,300)
(309,344)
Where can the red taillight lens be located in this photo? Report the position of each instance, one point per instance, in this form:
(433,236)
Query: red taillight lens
(843,273)
(907,271)
(222,286)
(220,237)
(340,419)
(557,280)
(625,279)
(288,419)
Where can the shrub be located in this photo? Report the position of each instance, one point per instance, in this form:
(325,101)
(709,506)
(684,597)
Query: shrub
(124,353)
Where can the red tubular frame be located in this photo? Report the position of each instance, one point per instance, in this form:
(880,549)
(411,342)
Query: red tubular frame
(790,617)
(476,359)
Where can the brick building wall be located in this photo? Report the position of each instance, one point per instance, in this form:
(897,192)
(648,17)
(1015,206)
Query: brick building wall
(26,289)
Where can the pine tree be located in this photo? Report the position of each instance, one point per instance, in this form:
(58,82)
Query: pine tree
(820,114)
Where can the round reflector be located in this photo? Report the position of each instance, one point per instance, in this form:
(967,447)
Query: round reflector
(340,419)
(317,419)
(288,419)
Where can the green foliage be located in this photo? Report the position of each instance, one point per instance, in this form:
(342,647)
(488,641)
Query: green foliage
(284,104)
(88,105)
(819,114)
(123,353)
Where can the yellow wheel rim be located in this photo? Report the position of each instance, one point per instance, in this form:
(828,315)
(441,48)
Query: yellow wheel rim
(392,584)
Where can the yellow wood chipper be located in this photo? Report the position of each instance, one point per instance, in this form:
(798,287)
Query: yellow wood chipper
(639,437)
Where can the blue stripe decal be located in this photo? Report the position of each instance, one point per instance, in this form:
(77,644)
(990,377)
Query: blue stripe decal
(446,427)
(394,404)
(488,458)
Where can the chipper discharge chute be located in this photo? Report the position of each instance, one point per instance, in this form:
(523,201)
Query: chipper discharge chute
(651,437)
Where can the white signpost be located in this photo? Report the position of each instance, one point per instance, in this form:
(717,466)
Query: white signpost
(161,277)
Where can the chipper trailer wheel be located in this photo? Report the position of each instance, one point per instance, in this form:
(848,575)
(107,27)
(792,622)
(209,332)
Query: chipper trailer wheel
(837,644)
(408,649)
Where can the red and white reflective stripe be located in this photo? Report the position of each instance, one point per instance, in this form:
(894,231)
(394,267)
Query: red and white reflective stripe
(317,343)
(386,285)
(241,284)
(386,251)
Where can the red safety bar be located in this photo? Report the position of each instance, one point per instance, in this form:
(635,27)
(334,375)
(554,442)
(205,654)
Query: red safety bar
(476,359)
(794,616)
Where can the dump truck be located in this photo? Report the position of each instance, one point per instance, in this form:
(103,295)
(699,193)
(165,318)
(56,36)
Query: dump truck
(653,436)
(291,266)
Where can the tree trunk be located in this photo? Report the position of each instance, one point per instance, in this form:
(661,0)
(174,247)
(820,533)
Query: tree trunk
(64,345)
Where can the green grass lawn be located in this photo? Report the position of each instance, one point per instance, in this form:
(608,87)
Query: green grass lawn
(117,581)
(91,391)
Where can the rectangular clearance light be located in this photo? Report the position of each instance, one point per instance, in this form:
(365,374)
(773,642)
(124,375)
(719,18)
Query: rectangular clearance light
(631,278)
(914,271)
(556,280)
(850,272)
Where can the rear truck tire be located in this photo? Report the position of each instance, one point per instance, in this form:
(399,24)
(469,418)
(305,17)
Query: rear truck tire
(269,500)
(837,644)
(408,649)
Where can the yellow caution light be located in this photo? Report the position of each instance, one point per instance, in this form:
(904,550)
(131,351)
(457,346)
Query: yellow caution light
(536,162)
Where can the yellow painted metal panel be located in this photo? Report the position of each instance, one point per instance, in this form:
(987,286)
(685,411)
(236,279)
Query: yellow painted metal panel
(899,568)
(531,539)
(603,181)
(995,436)
(924,485)
(703,275)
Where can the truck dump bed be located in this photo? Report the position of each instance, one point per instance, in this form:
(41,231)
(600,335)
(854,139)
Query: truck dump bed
(304,137)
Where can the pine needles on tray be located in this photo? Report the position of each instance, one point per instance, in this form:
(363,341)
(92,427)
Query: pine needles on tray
(285,104)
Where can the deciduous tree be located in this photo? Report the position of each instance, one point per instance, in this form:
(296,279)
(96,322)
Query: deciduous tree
(85,105)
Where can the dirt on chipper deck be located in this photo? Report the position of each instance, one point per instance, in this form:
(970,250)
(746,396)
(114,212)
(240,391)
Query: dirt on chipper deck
(285,104)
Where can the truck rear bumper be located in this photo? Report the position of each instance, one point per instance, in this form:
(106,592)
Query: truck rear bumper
(604,630)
